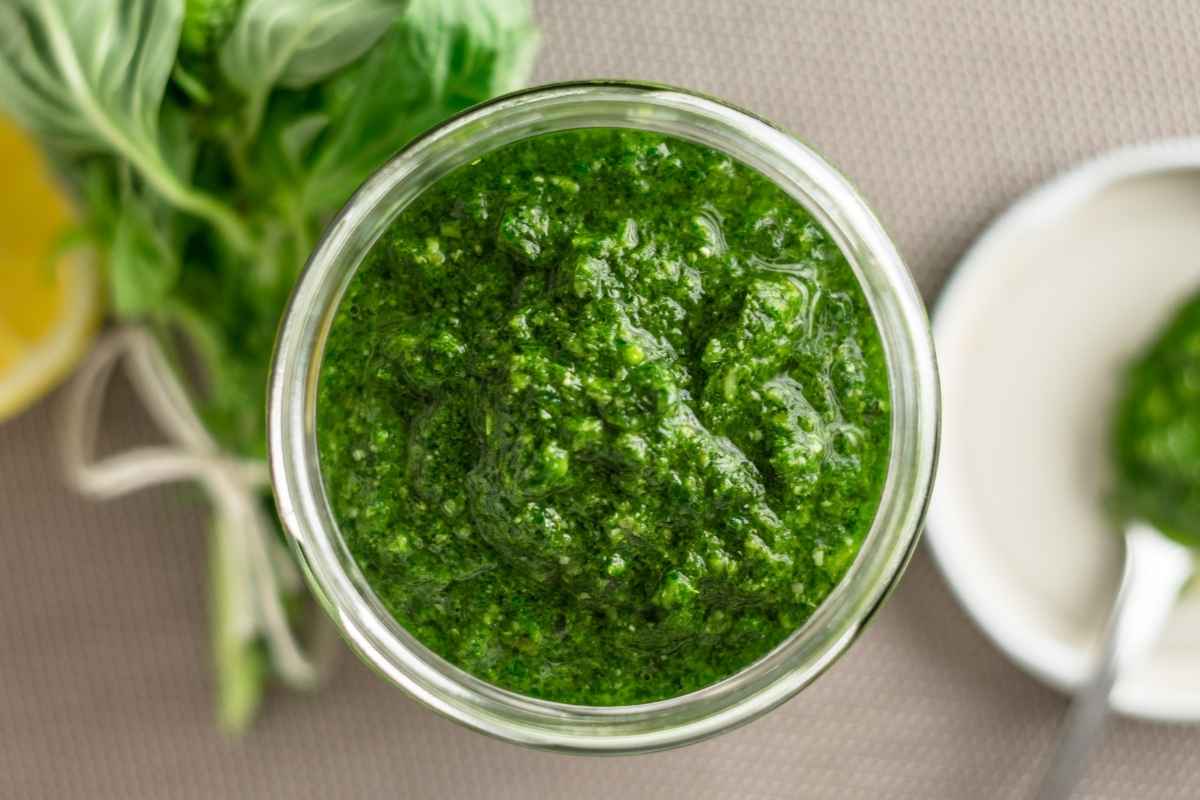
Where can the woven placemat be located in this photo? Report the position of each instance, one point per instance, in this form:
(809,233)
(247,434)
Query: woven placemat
(942,112)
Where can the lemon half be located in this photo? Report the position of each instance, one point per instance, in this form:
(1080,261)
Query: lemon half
(48,309)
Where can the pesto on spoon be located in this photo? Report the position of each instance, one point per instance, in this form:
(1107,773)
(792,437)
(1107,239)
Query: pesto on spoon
(1156,438)
(1156,453)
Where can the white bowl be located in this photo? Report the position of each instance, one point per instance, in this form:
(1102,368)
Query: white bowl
(1032,333)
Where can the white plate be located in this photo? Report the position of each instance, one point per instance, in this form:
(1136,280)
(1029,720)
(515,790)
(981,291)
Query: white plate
(1031,335)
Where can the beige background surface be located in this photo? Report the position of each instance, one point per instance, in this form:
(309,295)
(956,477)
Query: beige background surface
(942,112)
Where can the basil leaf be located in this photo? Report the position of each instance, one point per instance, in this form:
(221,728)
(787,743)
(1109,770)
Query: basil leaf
(88,76)
(470,50)
(143,268)
(440,58)
(297,137)
(295,43)
(179,143)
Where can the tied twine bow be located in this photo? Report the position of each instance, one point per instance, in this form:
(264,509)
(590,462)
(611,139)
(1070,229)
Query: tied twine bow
(260,568)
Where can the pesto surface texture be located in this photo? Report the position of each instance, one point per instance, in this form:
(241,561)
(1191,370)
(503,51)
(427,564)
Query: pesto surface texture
(1157,432)
(603,416)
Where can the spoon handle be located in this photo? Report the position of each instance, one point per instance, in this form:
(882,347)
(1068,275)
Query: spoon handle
(1155,570)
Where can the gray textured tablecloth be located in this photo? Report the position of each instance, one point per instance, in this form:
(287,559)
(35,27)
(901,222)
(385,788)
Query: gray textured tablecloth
(942,112)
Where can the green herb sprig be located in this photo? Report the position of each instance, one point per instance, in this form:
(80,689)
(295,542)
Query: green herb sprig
(209,141)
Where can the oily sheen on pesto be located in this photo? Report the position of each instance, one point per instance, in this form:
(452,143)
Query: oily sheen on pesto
(603,416)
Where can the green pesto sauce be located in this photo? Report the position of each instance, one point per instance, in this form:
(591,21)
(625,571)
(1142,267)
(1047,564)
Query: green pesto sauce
(603,417)
(1156,437)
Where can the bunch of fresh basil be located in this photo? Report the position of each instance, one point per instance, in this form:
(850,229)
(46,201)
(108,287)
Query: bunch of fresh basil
(209,141)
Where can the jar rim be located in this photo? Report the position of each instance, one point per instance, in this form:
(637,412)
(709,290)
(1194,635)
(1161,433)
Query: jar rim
(331,571)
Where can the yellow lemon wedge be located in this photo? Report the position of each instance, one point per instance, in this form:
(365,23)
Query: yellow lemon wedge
(48,309)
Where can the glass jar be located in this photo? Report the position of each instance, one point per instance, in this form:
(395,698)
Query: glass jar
(331,570)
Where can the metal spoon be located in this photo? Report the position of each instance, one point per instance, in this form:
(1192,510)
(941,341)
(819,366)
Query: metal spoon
(1155,570)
